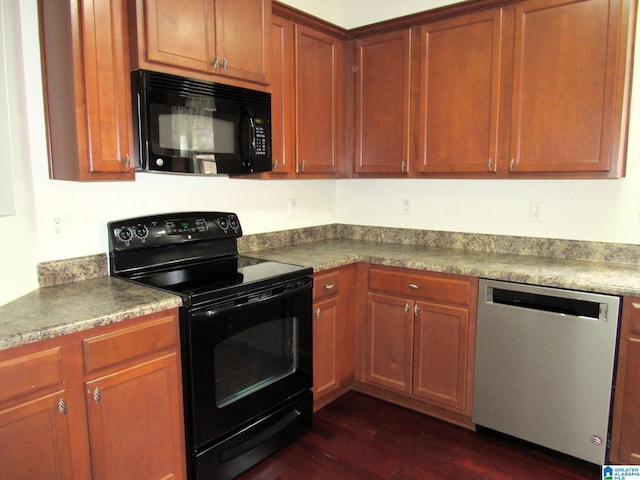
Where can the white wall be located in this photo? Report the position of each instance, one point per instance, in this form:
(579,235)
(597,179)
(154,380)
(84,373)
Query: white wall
(589,210)
(17,231)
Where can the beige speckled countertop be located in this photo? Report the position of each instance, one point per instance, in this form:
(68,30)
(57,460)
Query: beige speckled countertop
(601,277)
(73,307)
(78,294)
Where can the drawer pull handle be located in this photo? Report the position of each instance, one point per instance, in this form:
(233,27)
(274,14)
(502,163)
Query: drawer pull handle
(329,286)
(413,286)
(62,406)
(97,395)
(416,310)
(636,305)
(406,309)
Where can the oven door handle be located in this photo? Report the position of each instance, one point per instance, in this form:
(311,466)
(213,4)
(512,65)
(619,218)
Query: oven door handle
(251,300)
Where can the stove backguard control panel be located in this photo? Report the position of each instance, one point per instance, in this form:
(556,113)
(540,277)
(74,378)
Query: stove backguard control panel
(172,229)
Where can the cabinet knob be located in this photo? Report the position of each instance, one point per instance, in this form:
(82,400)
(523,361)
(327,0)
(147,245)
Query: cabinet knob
(214,64)
(126,161)
(406,308)
(62,406)
(275,164)
(403,166)
(318,312)
(416,309)
(512,164)
(413,286)
(302,166)
(225,64)
(97,395)
(490,164)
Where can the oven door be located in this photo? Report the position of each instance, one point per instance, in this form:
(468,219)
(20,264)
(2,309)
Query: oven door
(248,355)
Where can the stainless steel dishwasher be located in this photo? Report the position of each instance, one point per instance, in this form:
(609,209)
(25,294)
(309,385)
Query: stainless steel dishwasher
(544,366)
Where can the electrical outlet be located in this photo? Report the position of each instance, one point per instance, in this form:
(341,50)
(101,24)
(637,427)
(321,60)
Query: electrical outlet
(291,207)
(407,206)
(57,223)
(536,213)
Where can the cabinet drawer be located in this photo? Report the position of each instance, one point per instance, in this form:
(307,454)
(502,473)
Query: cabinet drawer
(29,373)
(440,287)
(325,285)
(129,343)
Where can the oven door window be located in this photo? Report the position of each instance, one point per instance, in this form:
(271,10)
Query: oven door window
(255,358)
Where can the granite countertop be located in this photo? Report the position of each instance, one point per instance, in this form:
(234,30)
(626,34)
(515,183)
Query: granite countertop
(77,306)
(600,277)
(80,305)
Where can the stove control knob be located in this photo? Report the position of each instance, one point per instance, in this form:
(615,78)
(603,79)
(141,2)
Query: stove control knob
(125,234)
(233,222)
(223,223)
(142,231)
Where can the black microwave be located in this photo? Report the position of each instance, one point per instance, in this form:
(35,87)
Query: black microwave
(189,126)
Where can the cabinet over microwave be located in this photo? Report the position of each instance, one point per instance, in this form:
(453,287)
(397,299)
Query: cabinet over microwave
(189,126)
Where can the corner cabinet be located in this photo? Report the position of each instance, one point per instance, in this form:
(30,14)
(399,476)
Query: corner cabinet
(625,434)
(228,39)
(419,340)
(308,97)
(78,406)
(87,89)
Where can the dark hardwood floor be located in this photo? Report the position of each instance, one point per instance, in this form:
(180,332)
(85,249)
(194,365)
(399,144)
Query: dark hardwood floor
(359,437)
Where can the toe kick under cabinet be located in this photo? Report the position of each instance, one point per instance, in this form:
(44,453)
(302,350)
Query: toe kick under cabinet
(102,404)
(419,337)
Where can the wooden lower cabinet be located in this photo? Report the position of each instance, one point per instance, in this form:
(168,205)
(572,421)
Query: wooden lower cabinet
(34,439)
(625,434)
(333,334)
(419,340)
(101,404)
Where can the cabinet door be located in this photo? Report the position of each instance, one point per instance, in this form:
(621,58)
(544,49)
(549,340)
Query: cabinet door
(325,337)
(34,440)
(181,33)
(282,113)
(242,38)
(569,86)
(625,435)
(459,94)
(389,342)
(319,85)
(135,413)
(86,73)
(383,81)
(440,355)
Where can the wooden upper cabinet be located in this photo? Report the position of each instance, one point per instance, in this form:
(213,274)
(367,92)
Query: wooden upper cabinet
(201,38)
(459,94)
(282,112)
(87,89)
(319,102)
(571,70)
(382,102)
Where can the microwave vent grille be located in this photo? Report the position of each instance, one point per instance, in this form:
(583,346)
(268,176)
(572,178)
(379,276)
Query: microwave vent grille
(190,86)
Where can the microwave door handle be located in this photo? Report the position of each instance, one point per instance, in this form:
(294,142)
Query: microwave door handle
(247,156)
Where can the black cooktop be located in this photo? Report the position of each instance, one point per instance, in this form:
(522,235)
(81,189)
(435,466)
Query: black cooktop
(192,254)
